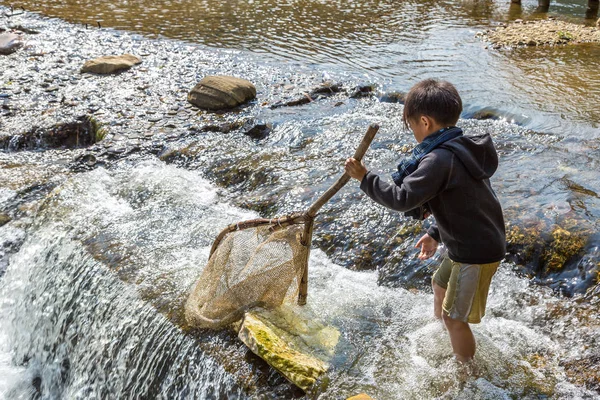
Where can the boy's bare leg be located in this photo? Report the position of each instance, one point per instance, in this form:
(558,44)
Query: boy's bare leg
(461,337)
(438,298)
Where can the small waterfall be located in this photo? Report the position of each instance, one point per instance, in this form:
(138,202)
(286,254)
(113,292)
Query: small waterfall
(90,308)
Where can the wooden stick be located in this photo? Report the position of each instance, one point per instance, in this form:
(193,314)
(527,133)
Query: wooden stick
(358,155)
(325,197)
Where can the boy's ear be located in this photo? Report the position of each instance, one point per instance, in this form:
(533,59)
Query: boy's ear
(426,121)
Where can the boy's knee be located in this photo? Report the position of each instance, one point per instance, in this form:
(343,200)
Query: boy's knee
(453,323)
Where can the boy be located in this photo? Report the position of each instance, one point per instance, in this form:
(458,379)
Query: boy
(448,177)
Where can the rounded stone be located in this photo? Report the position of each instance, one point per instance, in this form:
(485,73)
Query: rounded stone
(110,64)
(221,92)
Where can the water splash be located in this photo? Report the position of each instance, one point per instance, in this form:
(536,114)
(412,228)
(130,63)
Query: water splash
(80,324)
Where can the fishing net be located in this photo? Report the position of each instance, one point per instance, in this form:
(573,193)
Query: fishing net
(257,263)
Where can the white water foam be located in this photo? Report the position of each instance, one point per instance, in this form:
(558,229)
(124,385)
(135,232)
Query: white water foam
(82,321)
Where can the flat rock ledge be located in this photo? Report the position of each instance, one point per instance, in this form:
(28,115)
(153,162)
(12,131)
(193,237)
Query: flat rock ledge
(10,42)
(303,370)
(540,33)
(110,64)
(221,93)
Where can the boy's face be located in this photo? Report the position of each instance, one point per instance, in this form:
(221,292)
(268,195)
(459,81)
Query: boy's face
(419,128)
(423,126)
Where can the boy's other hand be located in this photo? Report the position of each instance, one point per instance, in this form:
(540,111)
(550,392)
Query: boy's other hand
(355,169)
(428,247)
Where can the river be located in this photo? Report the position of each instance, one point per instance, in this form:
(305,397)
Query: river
(96,264)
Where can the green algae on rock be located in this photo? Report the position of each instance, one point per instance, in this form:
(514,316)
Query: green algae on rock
(266,341)
(551,251)
(82,132)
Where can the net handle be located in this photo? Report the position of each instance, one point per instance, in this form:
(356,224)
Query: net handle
(358,155)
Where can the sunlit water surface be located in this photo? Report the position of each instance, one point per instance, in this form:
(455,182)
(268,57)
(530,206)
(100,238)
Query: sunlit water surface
(77,315)
(94,276)
(391,43)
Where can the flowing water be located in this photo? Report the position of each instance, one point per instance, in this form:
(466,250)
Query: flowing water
(95,265)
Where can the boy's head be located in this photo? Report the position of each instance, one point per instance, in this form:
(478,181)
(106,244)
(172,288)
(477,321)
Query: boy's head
(433,100)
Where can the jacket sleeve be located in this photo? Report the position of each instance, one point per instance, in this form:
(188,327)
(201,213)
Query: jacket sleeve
(434,232)
(419,187)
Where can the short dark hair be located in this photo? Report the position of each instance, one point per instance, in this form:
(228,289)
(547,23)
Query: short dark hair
(436,99)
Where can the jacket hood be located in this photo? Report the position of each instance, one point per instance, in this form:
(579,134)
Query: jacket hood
(477,153)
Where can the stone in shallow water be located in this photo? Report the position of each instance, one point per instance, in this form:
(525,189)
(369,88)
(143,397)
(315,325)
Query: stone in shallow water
(110,64)
(221,92)
(9,43)
(4,219)
(361,396)
(287,351)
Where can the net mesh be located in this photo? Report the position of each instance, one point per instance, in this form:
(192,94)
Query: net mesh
(258,266)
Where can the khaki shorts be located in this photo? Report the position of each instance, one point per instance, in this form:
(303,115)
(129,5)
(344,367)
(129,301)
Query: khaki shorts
(467,287)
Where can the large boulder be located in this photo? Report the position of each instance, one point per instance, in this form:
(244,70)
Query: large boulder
(110,64)
(9,43)
(288,350)
(221,92)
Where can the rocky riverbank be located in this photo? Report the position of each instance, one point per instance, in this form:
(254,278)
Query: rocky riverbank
(272,154)
(550,32)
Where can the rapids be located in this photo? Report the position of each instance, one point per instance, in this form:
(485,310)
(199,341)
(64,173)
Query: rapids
(98,259)
(108,248)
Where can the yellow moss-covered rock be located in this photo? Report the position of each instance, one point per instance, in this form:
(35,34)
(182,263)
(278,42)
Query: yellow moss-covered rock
(261,337)
(552,250)
(361,396)
(564,246)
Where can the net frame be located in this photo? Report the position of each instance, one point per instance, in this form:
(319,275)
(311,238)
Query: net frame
(192,308)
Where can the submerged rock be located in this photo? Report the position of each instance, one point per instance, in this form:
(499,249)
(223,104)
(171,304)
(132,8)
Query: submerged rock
(259,130)
(83,132)
(262,338)
(362,91)
(533,246)
(221,92)
(4,219)
(110,64)
(9,43)
(325,90)
(393,97)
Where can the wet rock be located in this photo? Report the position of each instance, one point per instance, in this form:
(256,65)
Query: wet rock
(4,219)
(544,251)
(110,64)
(484,114)
(262,338)
(323,91)
(361,396)
(362,91)
(258,130)
(221,93)
(23,29)
(393,97)
(296,102)
(9,43)
(327,89)
(563,247)
(225,127)
(83,132)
